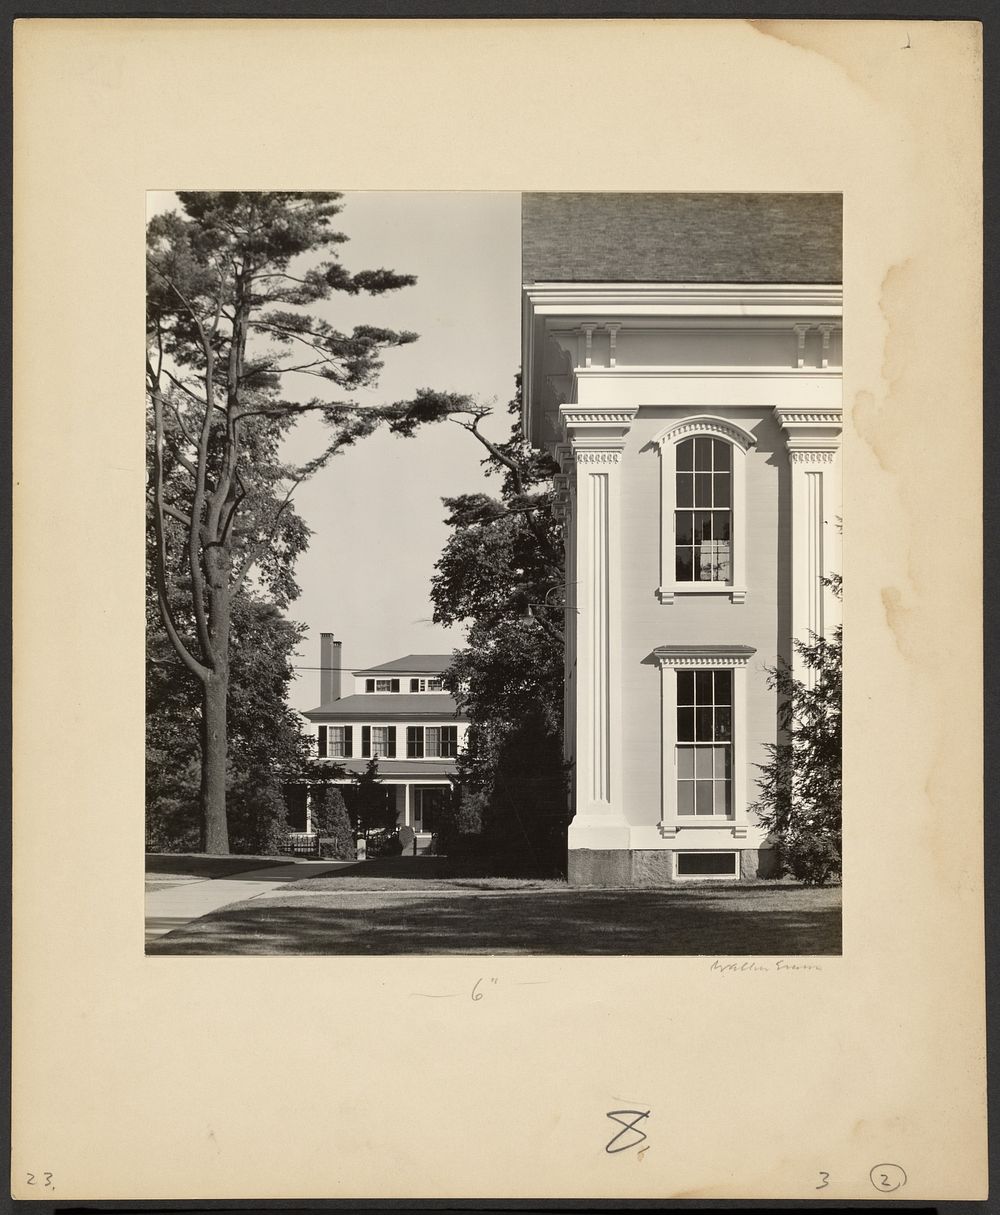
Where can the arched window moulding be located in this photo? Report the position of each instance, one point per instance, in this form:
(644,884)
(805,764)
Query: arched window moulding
(740,442)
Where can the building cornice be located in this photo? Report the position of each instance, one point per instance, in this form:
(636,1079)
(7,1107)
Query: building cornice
(754,372)
(741,300)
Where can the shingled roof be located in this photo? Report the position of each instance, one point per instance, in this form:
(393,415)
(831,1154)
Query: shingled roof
(388,706)
(412,664)
(681,238)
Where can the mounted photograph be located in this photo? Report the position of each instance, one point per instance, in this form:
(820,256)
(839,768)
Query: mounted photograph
(493,600)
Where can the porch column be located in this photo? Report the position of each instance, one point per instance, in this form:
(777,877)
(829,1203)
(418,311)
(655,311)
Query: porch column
(813,441)
(597,439)
(406,805)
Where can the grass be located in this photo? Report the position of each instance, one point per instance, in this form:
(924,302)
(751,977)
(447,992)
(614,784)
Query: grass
(200,867)
(164,869)
(435,914)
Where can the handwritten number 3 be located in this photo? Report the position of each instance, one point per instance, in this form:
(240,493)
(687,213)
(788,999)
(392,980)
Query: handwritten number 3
(825,1182)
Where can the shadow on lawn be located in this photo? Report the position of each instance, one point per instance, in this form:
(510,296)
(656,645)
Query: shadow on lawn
(430,868)
(198,865)
(584,923)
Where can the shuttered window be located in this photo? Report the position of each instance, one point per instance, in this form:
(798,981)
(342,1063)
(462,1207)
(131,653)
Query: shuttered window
(335,742)
(378,741)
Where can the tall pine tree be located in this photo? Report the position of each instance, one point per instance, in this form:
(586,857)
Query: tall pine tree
(230,282)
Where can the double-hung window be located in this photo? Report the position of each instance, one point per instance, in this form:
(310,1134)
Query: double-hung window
(378,741)
(703,508)
(704,760)
(425,685)
(703,515)
(705,743)
(381,685)
(431,742)
(335,742)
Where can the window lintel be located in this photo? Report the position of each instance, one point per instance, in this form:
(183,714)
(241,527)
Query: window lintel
(706,424)
(704,655)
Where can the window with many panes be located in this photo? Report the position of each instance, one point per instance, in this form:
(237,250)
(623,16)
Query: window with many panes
(431,742)
(703,520)
(425,685)
(703,513)
(705,743)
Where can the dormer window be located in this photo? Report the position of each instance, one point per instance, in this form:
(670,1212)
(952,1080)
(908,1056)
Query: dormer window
(381,685)
(425,685)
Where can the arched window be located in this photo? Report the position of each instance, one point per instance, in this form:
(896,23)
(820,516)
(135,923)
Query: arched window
(703,513)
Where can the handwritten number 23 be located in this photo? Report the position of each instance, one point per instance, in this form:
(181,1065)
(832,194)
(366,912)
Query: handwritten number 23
(47,1182)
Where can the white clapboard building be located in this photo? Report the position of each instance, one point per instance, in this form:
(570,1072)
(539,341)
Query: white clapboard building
(682,363)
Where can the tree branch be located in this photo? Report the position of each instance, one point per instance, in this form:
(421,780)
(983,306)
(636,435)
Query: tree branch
(261,547)
(160,558)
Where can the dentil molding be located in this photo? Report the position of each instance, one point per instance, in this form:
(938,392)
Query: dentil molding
(704,655)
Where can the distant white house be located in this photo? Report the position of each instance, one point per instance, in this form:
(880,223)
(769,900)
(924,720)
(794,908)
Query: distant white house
(682,364)
(398,712)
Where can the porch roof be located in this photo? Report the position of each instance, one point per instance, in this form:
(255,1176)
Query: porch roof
(415,771)
(387,706)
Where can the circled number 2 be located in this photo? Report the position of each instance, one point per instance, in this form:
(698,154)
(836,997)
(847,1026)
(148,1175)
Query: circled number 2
(887,1177)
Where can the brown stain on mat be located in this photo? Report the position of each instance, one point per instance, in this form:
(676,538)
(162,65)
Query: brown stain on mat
(817,38)
(881,422)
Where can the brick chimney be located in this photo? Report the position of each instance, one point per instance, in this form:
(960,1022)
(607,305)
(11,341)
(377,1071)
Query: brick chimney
(329,668)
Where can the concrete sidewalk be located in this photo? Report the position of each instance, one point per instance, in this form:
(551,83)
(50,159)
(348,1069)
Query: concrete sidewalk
(178,905)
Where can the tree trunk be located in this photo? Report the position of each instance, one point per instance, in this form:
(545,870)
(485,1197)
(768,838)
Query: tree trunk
(214,828)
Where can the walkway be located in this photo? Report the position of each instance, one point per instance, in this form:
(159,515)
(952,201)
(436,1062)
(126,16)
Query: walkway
(178,905)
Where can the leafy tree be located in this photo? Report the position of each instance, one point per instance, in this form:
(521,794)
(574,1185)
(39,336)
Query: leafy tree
(230,281)
(800,785)
(458,823)
(267,746)
(330,821)
(501,576)
(372,810)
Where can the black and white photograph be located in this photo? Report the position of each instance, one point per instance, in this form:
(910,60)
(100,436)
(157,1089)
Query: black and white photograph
(493,598)
(503,721)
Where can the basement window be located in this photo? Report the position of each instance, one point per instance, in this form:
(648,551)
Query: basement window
(707,864)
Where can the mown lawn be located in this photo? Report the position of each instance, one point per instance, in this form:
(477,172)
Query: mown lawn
(165,869)
(437,915)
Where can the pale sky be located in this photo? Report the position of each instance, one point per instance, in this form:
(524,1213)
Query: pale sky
(376,510)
